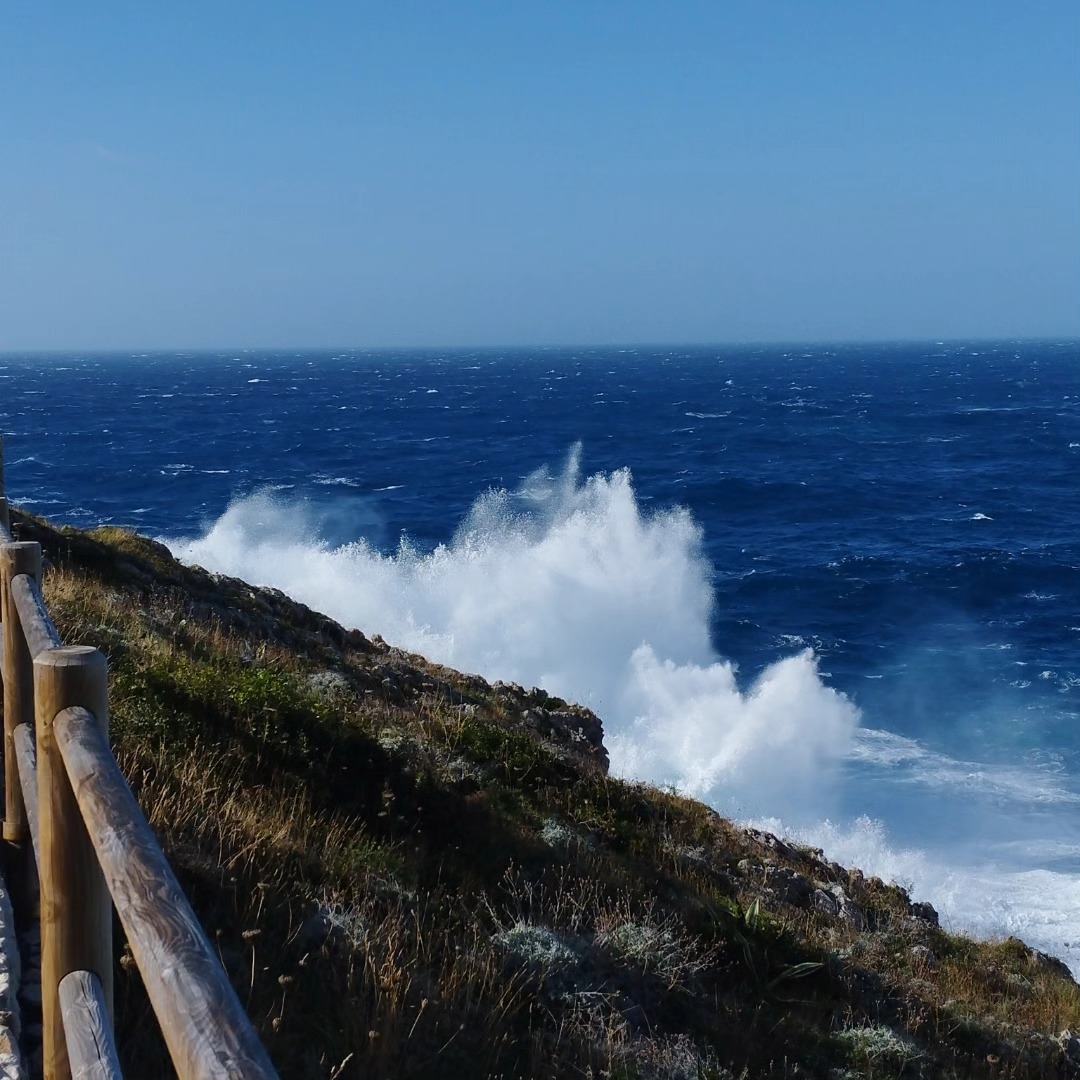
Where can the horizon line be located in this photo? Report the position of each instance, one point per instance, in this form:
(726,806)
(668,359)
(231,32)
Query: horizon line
(135,352)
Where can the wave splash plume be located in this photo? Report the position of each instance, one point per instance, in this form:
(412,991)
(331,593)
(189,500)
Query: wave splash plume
(567,584)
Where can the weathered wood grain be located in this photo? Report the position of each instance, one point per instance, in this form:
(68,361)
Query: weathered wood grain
(37,627)
(90,1043)
(205,1027)
(26,760)
(76,916)
(16,560)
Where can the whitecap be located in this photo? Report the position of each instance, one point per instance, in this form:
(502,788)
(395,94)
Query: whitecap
(912,763)
(336,481)
(568,583)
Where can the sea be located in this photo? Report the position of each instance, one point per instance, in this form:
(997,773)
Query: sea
(831,590)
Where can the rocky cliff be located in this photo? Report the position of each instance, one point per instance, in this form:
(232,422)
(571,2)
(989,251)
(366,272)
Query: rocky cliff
(412,872)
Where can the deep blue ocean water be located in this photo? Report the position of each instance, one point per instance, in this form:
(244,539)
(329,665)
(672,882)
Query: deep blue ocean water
(907,511)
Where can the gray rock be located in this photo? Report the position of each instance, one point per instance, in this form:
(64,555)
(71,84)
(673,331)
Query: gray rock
(825,903)
(926,913)
(832,900)
(1051,963)
(578,729)
(850,912)
(772,844)
(789,886)
(1069,1042)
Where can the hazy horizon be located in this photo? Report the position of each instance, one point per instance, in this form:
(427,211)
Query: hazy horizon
(136,351)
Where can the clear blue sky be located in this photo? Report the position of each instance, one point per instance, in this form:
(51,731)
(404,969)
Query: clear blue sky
(405,173)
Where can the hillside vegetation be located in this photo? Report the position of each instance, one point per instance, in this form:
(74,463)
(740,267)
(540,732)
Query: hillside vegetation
(410,872)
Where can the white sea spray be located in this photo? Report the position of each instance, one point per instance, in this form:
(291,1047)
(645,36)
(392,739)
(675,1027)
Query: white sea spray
(567,584)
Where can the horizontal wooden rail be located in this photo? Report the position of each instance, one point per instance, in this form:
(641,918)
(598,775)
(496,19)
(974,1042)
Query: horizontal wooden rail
(26,759)
(74,828)
(90,1044)
(37,627)
(205,1027)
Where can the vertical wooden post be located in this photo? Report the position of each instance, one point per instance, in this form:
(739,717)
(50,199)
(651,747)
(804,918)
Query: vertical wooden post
(76,913)
(24,558)
(5,521)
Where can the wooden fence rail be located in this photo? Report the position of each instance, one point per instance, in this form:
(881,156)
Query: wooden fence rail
(90,847)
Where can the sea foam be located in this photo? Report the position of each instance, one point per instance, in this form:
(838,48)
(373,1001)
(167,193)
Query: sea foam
(565,583)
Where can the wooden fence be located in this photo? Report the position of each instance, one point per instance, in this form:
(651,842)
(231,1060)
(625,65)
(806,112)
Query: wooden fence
(72,824)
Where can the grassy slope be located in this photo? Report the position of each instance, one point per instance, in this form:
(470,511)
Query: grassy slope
(404,880)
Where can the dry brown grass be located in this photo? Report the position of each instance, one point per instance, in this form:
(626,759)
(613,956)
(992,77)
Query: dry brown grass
(399,886)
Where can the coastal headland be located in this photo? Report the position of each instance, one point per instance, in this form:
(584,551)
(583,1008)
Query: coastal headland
(411,871)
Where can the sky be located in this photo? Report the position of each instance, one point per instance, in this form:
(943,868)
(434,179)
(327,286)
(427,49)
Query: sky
(345,173)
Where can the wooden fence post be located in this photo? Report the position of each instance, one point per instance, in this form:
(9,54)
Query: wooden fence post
(24,558)
(5,521)
(76,912)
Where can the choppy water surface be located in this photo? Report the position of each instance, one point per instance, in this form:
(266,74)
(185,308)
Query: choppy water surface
(836,587)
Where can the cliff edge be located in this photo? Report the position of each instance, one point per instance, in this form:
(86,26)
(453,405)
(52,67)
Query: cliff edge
(413,872)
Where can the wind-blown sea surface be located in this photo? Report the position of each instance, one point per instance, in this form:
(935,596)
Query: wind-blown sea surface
(829,589)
